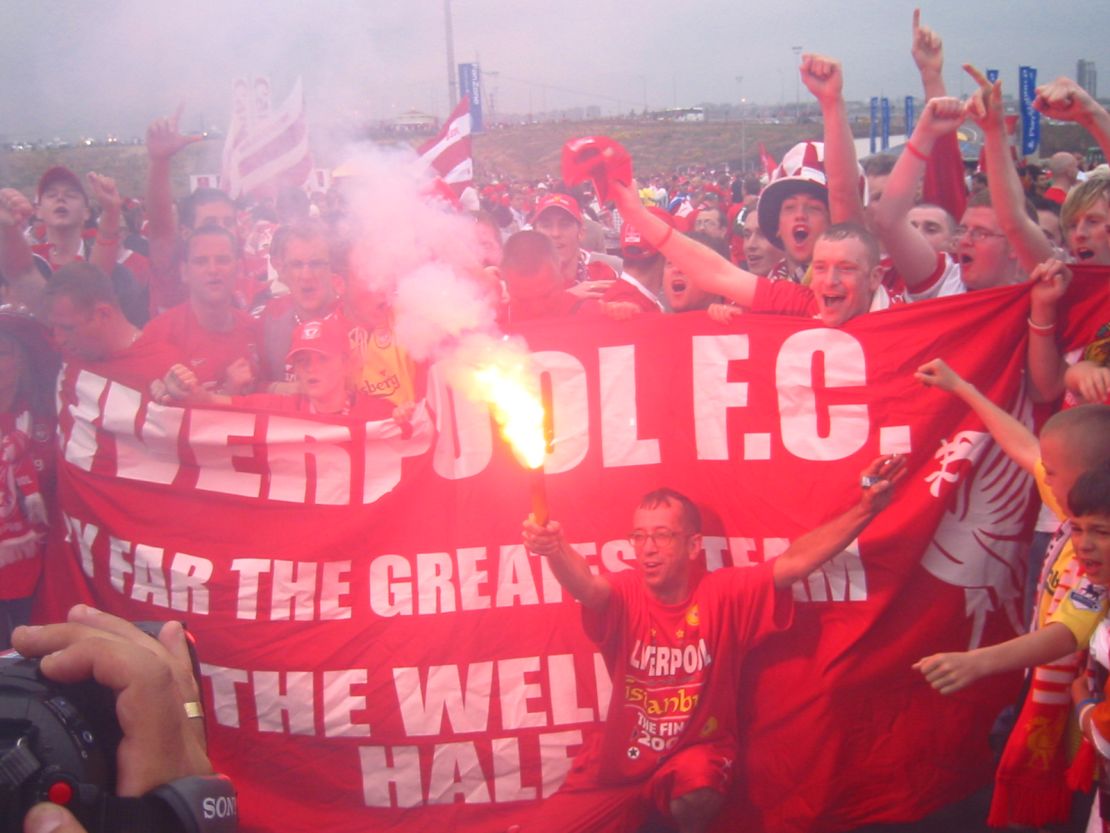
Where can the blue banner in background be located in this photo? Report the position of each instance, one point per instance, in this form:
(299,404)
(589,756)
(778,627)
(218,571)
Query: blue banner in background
(470,86)
(911,116)
(992,75)
(886,123)
(1030,118)
(874,122)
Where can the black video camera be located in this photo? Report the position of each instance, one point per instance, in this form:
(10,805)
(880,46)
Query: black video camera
(58,743)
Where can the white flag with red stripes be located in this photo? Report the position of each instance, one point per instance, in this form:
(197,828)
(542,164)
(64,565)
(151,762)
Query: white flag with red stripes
(270,150)
(448,153)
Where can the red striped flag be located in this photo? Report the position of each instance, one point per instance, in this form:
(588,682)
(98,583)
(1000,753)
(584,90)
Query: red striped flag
(448,153)
(767,159)
(271,151)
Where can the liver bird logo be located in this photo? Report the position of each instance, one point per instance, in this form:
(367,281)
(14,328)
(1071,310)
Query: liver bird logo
(978,544)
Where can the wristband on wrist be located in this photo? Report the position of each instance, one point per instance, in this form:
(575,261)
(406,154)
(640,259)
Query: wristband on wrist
(1090,701)
(1041,329)
(915,152)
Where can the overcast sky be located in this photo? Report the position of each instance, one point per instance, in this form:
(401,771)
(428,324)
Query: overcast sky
(73,67)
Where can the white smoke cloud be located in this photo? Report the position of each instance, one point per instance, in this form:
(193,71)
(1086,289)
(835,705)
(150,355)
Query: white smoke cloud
(426,258)
(433,306)
(414,249)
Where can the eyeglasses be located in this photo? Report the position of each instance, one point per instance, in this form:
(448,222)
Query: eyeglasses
(660,537)
(977,235)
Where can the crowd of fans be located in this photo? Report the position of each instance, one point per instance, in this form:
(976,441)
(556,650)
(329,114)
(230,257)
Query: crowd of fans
(205,301)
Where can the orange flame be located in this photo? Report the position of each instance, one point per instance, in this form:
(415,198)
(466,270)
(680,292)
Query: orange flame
(517,408)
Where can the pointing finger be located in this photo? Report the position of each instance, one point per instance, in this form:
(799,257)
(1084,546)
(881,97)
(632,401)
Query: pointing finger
(979,77)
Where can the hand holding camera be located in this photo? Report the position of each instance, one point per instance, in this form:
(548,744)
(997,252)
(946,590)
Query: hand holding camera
(107,724)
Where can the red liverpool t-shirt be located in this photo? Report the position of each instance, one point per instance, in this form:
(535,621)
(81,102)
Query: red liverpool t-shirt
(676,668)
(207,352)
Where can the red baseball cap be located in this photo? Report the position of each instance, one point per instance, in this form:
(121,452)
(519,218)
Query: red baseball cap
(324,336)
(563,202)
(61,174)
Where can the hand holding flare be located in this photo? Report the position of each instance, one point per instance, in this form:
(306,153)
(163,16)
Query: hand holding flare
(525,421)
(539,491)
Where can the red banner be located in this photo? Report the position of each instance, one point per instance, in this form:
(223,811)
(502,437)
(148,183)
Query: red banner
(380,652)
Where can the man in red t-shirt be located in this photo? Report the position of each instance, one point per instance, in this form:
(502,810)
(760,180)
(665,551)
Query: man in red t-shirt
(301,255)
(218,341)
(640,284)
(586,274)
(63,209)
(96,340)
(530,269)
(674,639)
(1065,176)
(846,274)
(167,229)
(92,332)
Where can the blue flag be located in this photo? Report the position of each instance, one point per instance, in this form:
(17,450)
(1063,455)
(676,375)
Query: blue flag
(470,86)
(886,123)
(874,122)
(1030,118)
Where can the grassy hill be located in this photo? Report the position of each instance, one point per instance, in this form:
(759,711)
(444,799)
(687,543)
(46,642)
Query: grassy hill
(524,152)
(532,151)
(520,152)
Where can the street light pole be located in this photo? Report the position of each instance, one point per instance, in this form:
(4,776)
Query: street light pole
(797,50)
(743,126)
(452,84)
(491,92)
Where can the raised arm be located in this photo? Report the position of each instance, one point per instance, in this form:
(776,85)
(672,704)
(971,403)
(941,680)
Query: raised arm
(1065,100)
(566,563)
(1014,438)
(1045,366)
(1007,195)
(816,547)
(825,79)
(944,172)
(707,269)
(25,284)
(913,257)
(928,54)
(106,249)
(163,141)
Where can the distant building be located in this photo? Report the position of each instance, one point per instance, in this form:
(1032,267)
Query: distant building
(1087,77)
(413,121)
(680,114)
